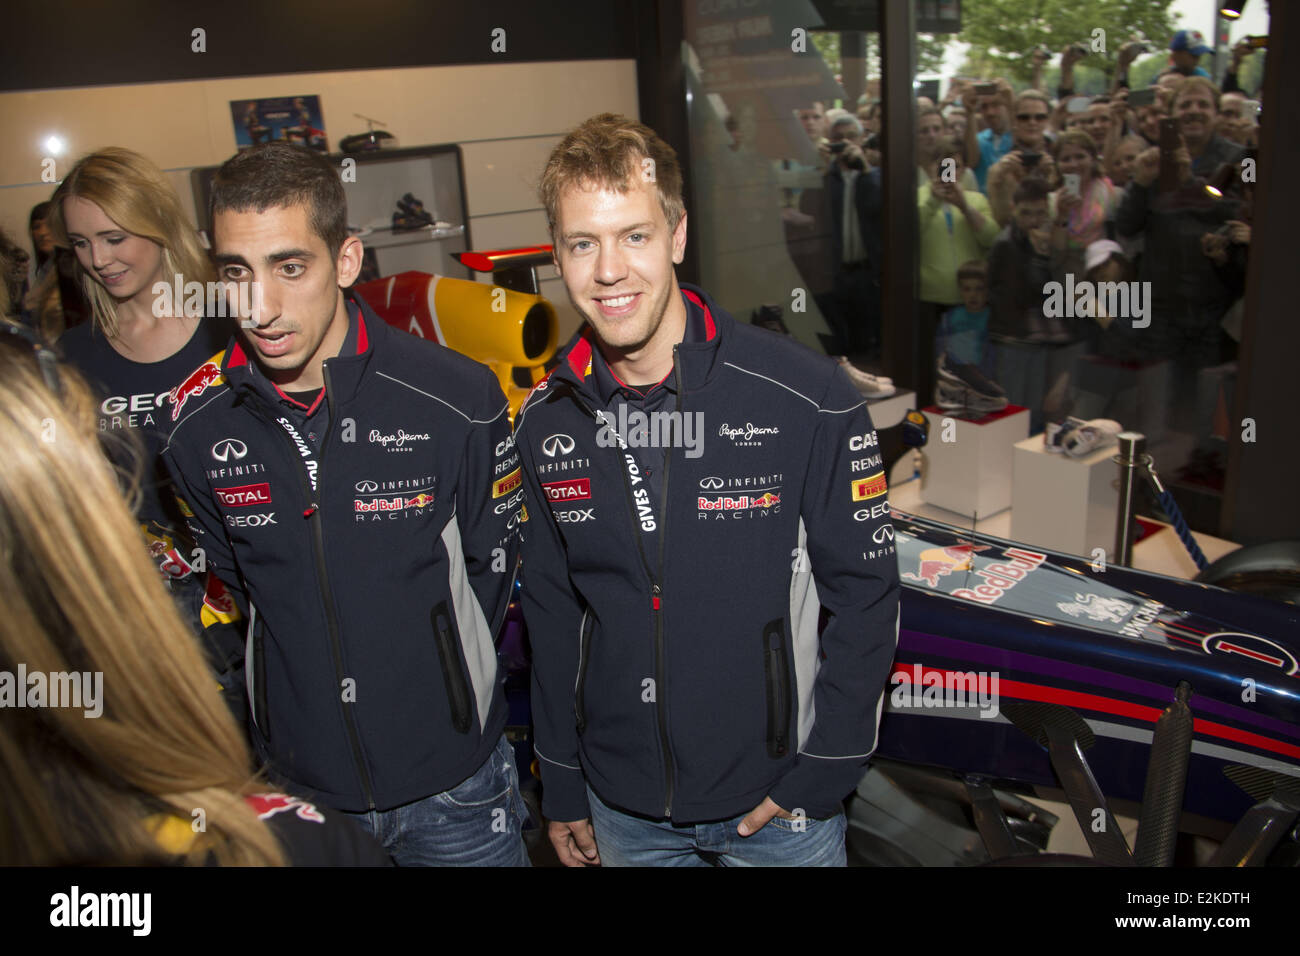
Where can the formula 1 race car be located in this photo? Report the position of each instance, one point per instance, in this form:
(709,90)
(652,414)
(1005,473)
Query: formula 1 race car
(1014,661)
(1019,672)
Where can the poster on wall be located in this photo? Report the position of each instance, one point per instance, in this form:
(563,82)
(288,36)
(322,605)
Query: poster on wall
(295,119)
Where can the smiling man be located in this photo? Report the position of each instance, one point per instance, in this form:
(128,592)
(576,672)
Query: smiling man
(356,486)
(686,708)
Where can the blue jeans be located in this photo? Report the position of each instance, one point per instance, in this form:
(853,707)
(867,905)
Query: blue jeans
(625,840)
(475,823)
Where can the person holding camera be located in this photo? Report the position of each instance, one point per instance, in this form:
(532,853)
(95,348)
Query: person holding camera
(985,147)
(956,225)
(853,198)
(1030,156)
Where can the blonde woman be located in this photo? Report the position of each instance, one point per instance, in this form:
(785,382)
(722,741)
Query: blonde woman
(116,765)
(122,220)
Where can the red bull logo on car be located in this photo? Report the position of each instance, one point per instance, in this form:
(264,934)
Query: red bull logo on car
(938,562)
(208,373)
(1001,578)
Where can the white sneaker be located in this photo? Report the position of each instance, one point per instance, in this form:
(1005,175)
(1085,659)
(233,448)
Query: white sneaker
(871,386)
(1090,436)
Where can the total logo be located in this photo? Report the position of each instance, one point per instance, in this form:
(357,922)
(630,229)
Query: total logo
(251,521)
(244,496)
(556,445)
(229,449)
(575,489)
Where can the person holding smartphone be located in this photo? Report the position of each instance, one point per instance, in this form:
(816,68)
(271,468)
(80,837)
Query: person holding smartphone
(1085,203)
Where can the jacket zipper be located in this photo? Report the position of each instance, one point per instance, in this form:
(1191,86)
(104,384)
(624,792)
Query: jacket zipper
(656,591)
(778,689)
(660,667)
(312,514)
(457,691)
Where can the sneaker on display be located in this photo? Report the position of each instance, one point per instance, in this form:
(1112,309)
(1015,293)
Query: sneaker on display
(871,386)
(965,386)
(1090,436)
(1054,432)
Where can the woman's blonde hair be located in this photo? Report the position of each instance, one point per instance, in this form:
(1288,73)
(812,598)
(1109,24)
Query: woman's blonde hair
(135,194)
(81,597)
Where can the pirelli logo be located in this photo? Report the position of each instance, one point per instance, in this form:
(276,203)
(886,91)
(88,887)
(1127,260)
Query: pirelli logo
(869,487)
(503,486)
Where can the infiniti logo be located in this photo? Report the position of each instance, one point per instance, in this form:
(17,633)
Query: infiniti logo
(229,448)
(557,445)
(366,487)
(711,483)
(884,533)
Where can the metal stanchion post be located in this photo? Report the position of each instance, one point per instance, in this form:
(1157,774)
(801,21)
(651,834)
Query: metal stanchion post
(1131,458)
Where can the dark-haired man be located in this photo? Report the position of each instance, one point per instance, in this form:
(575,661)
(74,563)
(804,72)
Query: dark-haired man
(357,486)
(699,490)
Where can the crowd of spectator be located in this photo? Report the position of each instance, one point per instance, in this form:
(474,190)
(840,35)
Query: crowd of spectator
(1018,189)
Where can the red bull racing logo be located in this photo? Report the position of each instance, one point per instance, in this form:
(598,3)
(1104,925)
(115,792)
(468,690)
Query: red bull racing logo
(206,374)
(268,805)
(737,502)
(939,562)
(396,503)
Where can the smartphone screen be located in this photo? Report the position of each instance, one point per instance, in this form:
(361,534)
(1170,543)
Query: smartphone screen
(1078,104)
(1072,182)
(1138,98)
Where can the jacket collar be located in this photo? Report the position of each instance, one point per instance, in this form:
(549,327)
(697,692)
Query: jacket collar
(366,332)
(708,330)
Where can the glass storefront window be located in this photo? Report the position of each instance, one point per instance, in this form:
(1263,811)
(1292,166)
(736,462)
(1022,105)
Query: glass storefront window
(1094,265)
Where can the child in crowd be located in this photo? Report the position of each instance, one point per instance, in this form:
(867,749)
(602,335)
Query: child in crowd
(964,329)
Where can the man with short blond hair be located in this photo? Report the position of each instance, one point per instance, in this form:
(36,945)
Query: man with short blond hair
(698,490)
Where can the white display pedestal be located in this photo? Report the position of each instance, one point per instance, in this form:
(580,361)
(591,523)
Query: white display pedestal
(971,474)
(1067,504)
(888,412)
